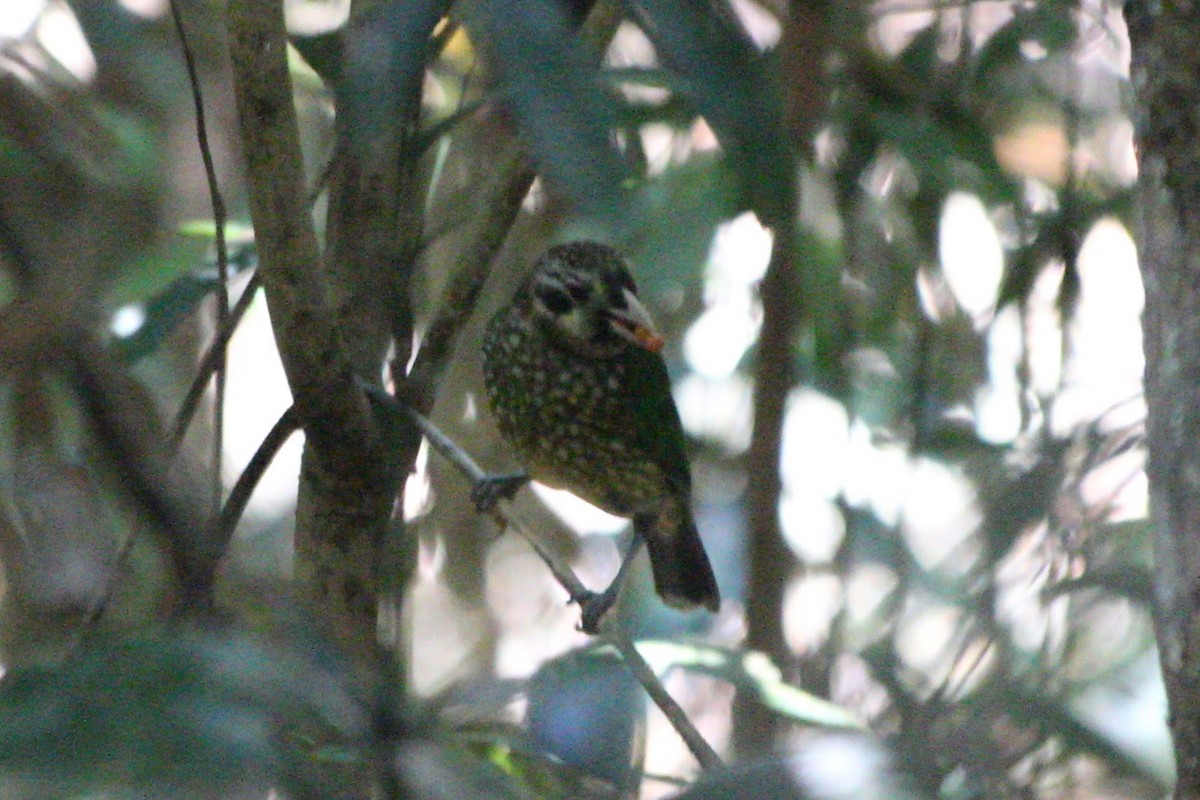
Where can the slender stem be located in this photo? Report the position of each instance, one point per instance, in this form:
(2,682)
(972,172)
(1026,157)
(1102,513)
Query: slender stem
(699,747)
(248,481)
(610,631)
(215,354)
(505,192)
(504,512)
(218,209)
(512,176)
(209,363)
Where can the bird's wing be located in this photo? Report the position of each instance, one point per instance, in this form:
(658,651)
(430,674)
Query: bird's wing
(656,420)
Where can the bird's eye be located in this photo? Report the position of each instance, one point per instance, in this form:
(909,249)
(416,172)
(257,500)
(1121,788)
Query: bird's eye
(619,282)
(616,296)
(626,280)
(555,300)
(580,292)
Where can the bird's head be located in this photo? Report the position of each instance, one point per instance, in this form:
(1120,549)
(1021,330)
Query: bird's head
(584,295)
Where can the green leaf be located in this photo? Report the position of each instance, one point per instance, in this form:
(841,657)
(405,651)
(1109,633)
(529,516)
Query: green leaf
(237,233)
(726,78)
(188,253)
(156,271)
(555,93)
(177,300)
(652,77)
(949,148)
(440,768)
(920,58)
(172,708)
(677,213)
(749,671)
(383,57)
(1050,24)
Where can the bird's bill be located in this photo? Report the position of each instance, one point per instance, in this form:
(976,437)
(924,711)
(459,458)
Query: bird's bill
(634,324)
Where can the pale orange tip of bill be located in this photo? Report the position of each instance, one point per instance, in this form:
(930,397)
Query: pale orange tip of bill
(648,338)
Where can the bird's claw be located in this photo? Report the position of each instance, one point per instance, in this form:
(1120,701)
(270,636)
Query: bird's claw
(490,490)
(593,607)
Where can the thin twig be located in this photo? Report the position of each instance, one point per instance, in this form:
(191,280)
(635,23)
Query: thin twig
(610,631)
(322,181)
(504,512)
(218,209)
(220,342)
(208,364)
(697,744)
(248,481)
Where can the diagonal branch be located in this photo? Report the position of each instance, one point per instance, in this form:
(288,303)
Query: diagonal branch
(122,422)
(513,174)
(506,515)
(212,361)
(248,481)
(505,192)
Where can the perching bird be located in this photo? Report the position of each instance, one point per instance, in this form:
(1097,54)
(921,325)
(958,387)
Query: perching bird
(578,389)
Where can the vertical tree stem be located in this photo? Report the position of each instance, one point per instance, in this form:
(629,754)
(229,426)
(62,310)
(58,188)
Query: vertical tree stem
(1166,74)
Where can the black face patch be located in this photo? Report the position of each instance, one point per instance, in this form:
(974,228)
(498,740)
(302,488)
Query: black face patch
(616,297)
(625,280)
(553,297)
(617,282)
(579,291)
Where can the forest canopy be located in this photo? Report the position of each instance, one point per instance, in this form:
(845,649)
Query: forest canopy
(249,252)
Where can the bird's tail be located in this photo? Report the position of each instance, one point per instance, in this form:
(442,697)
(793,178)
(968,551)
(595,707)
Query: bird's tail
(683,577)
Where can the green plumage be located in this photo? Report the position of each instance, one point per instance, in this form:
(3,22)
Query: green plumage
(589,410)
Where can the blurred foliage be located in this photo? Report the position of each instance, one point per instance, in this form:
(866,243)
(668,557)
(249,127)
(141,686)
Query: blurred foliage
(178,712)
(981,671)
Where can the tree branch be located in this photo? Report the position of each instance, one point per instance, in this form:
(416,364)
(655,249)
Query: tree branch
(336,416)
(346,486)
(211,361)
(697,744)
(122,418)
(248,481)
(1165,67)
(503,197)
(499,204)
(507,516)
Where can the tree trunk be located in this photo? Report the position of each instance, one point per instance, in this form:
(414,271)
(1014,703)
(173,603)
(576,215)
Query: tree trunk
(805,45)
(1166,76)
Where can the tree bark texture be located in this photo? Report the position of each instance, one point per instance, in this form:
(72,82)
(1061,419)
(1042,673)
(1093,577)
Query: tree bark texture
(772,565)
(1166,77)
(345,494)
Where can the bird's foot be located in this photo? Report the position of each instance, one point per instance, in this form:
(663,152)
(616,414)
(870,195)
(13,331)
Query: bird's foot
(594,606)
(490,490)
